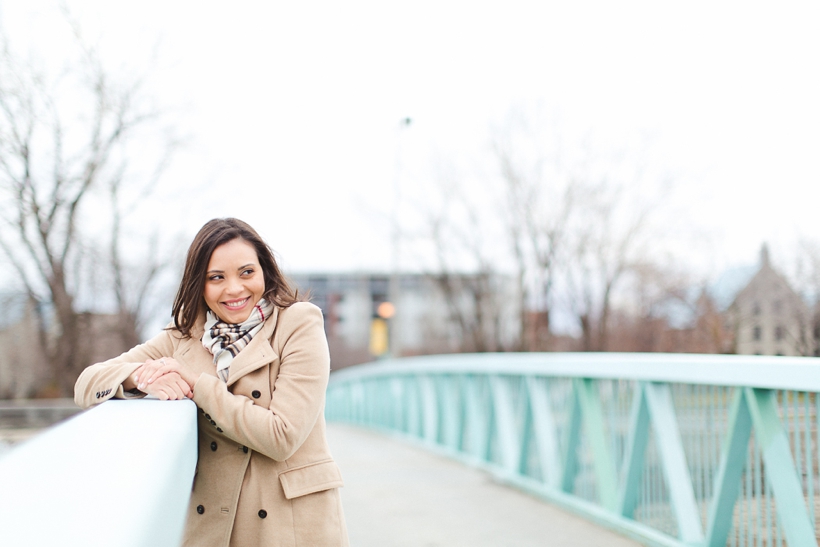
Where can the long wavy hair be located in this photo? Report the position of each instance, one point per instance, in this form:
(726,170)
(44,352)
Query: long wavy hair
(190,300)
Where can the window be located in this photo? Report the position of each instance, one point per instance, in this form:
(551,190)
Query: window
(379,284)
(756,333)
(779,333)
(318,283)
(756,308)
(777,306)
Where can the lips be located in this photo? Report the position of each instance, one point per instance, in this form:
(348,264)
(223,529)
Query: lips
(235,304)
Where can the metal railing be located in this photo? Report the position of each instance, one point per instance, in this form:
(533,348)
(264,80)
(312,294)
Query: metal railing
(673,450)
(118,474)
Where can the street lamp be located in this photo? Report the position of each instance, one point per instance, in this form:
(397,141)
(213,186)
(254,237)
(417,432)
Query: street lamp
(394,342)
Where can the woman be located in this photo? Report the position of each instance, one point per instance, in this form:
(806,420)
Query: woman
(255,361)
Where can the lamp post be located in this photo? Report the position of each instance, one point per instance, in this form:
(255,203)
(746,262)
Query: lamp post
(394,338)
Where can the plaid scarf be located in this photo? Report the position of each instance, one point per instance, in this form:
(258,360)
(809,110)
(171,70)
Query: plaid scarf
(226,340)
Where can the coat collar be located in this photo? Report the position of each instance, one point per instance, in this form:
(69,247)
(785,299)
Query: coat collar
(256,354)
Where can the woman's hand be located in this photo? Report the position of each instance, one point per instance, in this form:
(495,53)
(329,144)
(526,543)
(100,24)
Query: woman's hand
(154,369)
(169,387)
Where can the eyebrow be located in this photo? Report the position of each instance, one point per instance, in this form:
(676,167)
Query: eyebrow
(239,268)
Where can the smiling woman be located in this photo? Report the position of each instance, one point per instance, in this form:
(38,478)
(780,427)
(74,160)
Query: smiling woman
(255,361)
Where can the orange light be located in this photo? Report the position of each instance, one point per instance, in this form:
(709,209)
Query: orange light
(386,310)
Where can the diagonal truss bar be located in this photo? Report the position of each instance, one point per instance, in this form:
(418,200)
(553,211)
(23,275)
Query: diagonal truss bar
(414,418)
(676,471)
(543,422)
(357,398)
(572,438)
(593,419)
(395,402)
(429,408)
(757,408)
(451,413)
(780,469)
(505,423)
(732,462)
(478,420)
(632,471)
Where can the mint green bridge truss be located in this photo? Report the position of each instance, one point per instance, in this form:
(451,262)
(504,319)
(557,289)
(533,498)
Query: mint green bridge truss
(673,450)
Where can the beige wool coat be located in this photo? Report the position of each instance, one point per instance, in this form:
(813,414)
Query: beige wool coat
(265,475)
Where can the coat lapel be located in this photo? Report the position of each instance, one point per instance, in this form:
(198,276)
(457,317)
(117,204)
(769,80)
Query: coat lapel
(257,353)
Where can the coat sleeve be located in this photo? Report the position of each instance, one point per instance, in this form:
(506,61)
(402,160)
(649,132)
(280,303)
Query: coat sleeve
(103,381)
(298,390)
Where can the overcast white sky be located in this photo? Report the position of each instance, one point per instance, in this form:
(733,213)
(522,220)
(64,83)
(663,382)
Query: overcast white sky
(292,109)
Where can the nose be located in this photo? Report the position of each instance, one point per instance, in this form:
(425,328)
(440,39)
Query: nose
(234,285)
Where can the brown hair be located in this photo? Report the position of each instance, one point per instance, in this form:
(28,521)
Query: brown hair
(189,301)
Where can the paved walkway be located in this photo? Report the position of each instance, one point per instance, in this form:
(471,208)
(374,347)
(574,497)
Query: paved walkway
(396,495)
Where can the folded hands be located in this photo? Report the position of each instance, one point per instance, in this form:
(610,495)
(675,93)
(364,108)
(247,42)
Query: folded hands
(164,378)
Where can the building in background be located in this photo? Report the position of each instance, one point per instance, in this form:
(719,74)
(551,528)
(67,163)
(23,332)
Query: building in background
(768,317)
(369,315)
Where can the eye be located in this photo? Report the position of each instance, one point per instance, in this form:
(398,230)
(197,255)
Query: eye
(214,277)
(248,271)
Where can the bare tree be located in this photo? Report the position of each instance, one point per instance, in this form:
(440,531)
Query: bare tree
(465,272)
(574,226)
(63,144)
(540,200)
(600,253)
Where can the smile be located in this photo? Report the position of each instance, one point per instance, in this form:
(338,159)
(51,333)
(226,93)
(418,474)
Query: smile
(236,303)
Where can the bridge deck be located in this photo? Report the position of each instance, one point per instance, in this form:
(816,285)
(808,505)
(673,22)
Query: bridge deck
(399,495)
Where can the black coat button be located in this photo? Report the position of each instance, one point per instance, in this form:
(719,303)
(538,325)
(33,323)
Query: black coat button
(245,449)
(219,429)
(213,446)
(200,509)
(262,513)
(213,422)
(256,393)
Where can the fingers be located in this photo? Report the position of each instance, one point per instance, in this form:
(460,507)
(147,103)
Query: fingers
(131,383)
(169,386)
(180,385)
(153,369)
(173,390)
(144,372)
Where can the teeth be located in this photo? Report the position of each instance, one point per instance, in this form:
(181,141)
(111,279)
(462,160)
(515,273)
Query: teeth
(236,304)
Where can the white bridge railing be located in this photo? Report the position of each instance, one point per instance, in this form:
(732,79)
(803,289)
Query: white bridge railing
(119,474)
(673,450)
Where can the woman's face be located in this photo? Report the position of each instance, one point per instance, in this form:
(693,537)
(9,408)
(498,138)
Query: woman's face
(234,282)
